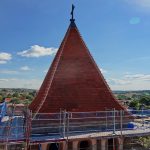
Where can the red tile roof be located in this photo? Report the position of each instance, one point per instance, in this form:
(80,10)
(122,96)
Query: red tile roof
(7,99)
(74,82)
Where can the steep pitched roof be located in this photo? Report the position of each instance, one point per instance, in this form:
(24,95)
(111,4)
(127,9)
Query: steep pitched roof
(74,82)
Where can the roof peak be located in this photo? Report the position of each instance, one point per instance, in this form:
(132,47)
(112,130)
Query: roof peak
(73,82)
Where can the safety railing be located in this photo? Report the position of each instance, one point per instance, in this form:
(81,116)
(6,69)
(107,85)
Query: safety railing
(21,126)
(65,124)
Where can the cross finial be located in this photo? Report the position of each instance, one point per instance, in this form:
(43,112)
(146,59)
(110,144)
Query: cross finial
(72,18)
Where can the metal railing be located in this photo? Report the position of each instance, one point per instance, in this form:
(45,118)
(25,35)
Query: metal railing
(22,127)
(65,124)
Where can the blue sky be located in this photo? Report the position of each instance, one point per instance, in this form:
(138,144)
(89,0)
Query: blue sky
(116,32)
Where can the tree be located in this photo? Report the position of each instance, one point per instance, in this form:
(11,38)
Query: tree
(15,101)
(16,94)
(145,141)
(1,98)
(9,95)
(145,100)
(134,104)
(27,102)
(122,97)
(29,97)
(32,93)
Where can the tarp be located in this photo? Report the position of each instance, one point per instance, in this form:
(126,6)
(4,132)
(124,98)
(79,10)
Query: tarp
(3,110)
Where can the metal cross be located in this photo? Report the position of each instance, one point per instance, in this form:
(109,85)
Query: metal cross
(72,11)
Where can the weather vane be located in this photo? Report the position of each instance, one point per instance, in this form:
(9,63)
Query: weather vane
(72,12)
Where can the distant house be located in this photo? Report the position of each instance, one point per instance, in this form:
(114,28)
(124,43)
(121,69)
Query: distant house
(7,100)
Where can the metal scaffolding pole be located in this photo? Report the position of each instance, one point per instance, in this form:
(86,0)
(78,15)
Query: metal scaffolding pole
(121,122)
(64,123)
(114,121)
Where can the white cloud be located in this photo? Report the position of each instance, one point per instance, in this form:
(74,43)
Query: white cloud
(130,82)
(9,72)
(4,57)
(20,83)
(3,80)
(37,51)
(7,80)
(115,81)
(103,70)
(25,68)
(142,77)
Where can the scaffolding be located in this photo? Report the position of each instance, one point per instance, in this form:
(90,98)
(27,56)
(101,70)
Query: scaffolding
(64,126)
(22,127)
(15,128)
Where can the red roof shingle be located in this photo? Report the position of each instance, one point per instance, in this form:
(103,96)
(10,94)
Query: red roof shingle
(74,82)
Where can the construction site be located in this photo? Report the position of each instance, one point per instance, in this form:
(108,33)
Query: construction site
(74,108)
(104,130)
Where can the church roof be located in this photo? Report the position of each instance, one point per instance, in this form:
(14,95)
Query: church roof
(74,82)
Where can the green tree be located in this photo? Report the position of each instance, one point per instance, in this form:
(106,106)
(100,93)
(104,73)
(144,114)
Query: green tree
(32,93)
(29,97)
(15,101)
(145,100)
(9,95)
(16,94)
(27,102)
(122,97)
(1,98)
(134,104)
(145,141)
